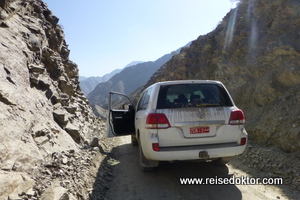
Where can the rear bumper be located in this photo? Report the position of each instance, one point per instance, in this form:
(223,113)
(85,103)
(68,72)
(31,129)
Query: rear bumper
(192,152)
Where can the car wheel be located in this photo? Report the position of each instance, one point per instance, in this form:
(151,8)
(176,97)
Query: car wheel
(134,141)
(221,161)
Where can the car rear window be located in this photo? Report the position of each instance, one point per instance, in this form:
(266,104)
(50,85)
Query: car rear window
(192,95)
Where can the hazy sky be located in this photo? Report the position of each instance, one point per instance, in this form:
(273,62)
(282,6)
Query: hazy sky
(104,35)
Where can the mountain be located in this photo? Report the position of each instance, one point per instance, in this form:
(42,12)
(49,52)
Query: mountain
(133,63)
(88,84)
(255,52)
(81,78)
(127,80)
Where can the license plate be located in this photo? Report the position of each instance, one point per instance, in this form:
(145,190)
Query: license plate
(198,130)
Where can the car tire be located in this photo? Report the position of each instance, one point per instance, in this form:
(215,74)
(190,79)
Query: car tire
(221,161)
(143,160)
(134,141)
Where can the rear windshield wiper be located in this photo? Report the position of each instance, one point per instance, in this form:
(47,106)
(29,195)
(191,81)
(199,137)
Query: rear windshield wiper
(208,105)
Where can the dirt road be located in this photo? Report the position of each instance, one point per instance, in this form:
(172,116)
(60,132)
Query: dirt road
(129,182)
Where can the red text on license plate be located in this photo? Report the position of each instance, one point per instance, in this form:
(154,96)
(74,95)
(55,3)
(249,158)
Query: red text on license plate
(196,130)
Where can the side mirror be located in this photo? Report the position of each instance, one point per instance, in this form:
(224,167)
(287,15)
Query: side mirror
(127,107)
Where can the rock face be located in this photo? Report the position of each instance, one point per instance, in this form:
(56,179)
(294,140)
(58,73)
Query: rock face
(255,52)
(42,109)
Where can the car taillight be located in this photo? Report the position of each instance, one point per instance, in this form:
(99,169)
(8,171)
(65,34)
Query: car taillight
(155,147)
(157,121)
(243,141)
(237,117)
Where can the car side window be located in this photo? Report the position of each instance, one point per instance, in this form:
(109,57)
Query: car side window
(139,107)
(143,104)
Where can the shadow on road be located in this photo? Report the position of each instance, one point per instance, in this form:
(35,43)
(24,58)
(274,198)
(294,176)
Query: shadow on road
(128,182)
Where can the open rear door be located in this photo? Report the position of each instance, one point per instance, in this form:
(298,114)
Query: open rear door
(121,115)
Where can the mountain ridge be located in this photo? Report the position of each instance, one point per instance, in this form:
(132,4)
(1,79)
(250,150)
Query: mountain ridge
(124,82)
(88,84)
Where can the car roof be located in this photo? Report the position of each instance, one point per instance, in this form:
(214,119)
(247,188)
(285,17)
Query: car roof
(187,82)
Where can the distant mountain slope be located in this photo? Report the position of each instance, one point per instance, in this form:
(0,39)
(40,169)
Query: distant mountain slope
(81,78)
(255,52)
(127,80)
(88,84)
(133,63)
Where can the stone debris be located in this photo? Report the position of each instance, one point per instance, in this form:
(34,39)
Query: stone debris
(65,175)
(274,162)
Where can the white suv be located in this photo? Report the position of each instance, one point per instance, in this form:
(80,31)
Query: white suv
(181,120)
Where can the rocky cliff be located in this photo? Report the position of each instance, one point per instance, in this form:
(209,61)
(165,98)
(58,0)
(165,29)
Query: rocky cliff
(255,52)
(45,120)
